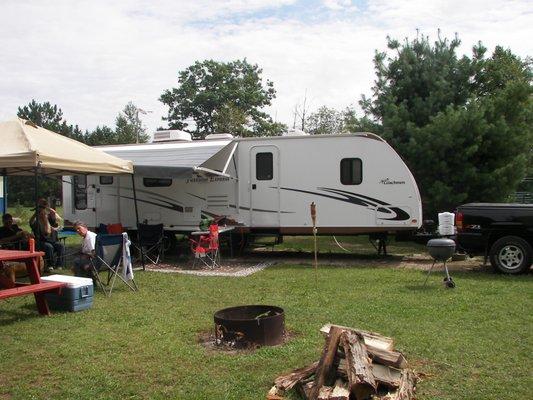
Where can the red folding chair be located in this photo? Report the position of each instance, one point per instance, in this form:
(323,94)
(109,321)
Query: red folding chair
(115,229)
(206,248)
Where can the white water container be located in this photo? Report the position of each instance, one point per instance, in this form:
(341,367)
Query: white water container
(446,223)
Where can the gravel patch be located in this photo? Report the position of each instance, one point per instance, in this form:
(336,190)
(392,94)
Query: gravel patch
(234,270)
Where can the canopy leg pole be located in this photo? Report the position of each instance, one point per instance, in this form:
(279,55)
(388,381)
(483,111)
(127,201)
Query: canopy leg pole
(137,219)
(36,220)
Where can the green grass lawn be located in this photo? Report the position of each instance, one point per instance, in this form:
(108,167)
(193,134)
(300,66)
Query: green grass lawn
(473,342)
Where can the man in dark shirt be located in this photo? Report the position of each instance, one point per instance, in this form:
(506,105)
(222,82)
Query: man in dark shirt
(45,223)
(11,234)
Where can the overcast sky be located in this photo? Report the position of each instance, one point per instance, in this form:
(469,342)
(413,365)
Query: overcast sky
(92,57)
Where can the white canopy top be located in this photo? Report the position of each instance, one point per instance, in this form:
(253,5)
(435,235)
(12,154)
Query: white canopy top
(26,147)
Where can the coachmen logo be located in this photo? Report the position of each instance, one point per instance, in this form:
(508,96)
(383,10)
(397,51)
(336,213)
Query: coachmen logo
(388,181)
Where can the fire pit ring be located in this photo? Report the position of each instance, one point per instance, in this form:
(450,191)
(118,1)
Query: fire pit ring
(245,326)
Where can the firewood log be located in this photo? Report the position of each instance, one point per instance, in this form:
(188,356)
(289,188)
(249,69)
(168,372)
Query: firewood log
(387,357)
(287,381)
(371,338)
(340,391)
(324,369)
(324,392)
(406,390)
(275,394)
(358,365)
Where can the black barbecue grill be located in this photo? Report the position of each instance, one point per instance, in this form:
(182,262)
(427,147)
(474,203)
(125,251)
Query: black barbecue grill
(441,250)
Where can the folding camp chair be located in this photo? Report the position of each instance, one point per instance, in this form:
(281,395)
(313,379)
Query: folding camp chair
(115,229)
(151,242)
(206,248)
(112,254)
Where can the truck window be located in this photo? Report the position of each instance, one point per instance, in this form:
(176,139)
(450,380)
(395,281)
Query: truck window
(264,166)
(157,182)
(106,180)
(351,171)
(79,186)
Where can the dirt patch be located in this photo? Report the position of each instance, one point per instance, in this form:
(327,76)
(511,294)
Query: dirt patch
(232,268)
(208,340)
(254,261)
(417,261)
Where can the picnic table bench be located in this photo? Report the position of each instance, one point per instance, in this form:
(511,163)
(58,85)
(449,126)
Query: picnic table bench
(36,287)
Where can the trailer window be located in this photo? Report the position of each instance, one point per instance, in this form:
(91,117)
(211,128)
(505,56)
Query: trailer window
(80,192)
(351,171)
(106,180)
(157,182)
(264,166)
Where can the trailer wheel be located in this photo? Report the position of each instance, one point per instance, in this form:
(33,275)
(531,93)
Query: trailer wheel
(511,255)
(170,242)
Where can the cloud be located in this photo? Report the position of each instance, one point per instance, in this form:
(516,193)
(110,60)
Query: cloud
(338,4)
(92,57)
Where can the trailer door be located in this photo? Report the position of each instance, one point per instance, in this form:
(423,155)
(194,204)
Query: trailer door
(264,186)
(107,199)
(83,199)
(3,201)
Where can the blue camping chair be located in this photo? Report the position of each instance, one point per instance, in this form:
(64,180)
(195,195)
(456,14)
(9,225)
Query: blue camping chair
(110,253)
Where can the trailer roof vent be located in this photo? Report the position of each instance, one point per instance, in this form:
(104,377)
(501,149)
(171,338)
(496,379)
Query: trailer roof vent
(294,132)
(171,136)
(219,136)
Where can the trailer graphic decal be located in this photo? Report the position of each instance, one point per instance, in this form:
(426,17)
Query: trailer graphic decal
(397,214)
(162,203)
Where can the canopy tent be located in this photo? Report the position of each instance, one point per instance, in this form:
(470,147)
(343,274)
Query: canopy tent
(176,160)
(27,147)
(29,150)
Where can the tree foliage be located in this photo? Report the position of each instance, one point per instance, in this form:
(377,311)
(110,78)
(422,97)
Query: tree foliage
(325,121)
(129,128)
(220,97)
(463,125)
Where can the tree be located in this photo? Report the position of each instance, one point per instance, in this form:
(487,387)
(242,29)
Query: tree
(214,95)
(463,125)
(101,136)
(129,127)
(49,117)
(325,121)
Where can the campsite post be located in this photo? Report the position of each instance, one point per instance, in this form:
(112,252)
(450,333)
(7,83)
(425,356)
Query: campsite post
(313,218)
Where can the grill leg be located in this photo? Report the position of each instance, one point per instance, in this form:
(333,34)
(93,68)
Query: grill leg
(446,269)
(429,272)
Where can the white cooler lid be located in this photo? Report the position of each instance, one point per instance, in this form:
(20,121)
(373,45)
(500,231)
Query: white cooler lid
(71,281)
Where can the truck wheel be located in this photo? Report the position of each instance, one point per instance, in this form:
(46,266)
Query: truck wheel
(511,255)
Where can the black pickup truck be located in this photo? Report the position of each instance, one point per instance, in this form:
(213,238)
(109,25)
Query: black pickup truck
(499,231)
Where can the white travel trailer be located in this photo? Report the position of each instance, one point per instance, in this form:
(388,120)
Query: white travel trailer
(263,185)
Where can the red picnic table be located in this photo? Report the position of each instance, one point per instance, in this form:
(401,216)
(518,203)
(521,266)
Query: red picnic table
(36,286)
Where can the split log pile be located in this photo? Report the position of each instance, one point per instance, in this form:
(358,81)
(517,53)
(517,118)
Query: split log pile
(355,364)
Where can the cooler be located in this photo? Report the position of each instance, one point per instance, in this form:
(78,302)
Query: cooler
(77,295)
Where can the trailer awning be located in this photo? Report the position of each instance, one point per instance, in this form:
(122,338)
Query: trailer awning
(167,160)
(218,164)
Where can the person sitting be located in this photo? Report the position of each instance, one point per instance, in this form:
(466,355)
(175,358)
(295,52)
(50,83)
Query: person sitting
(82,265)
(11,235)
(45,223)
